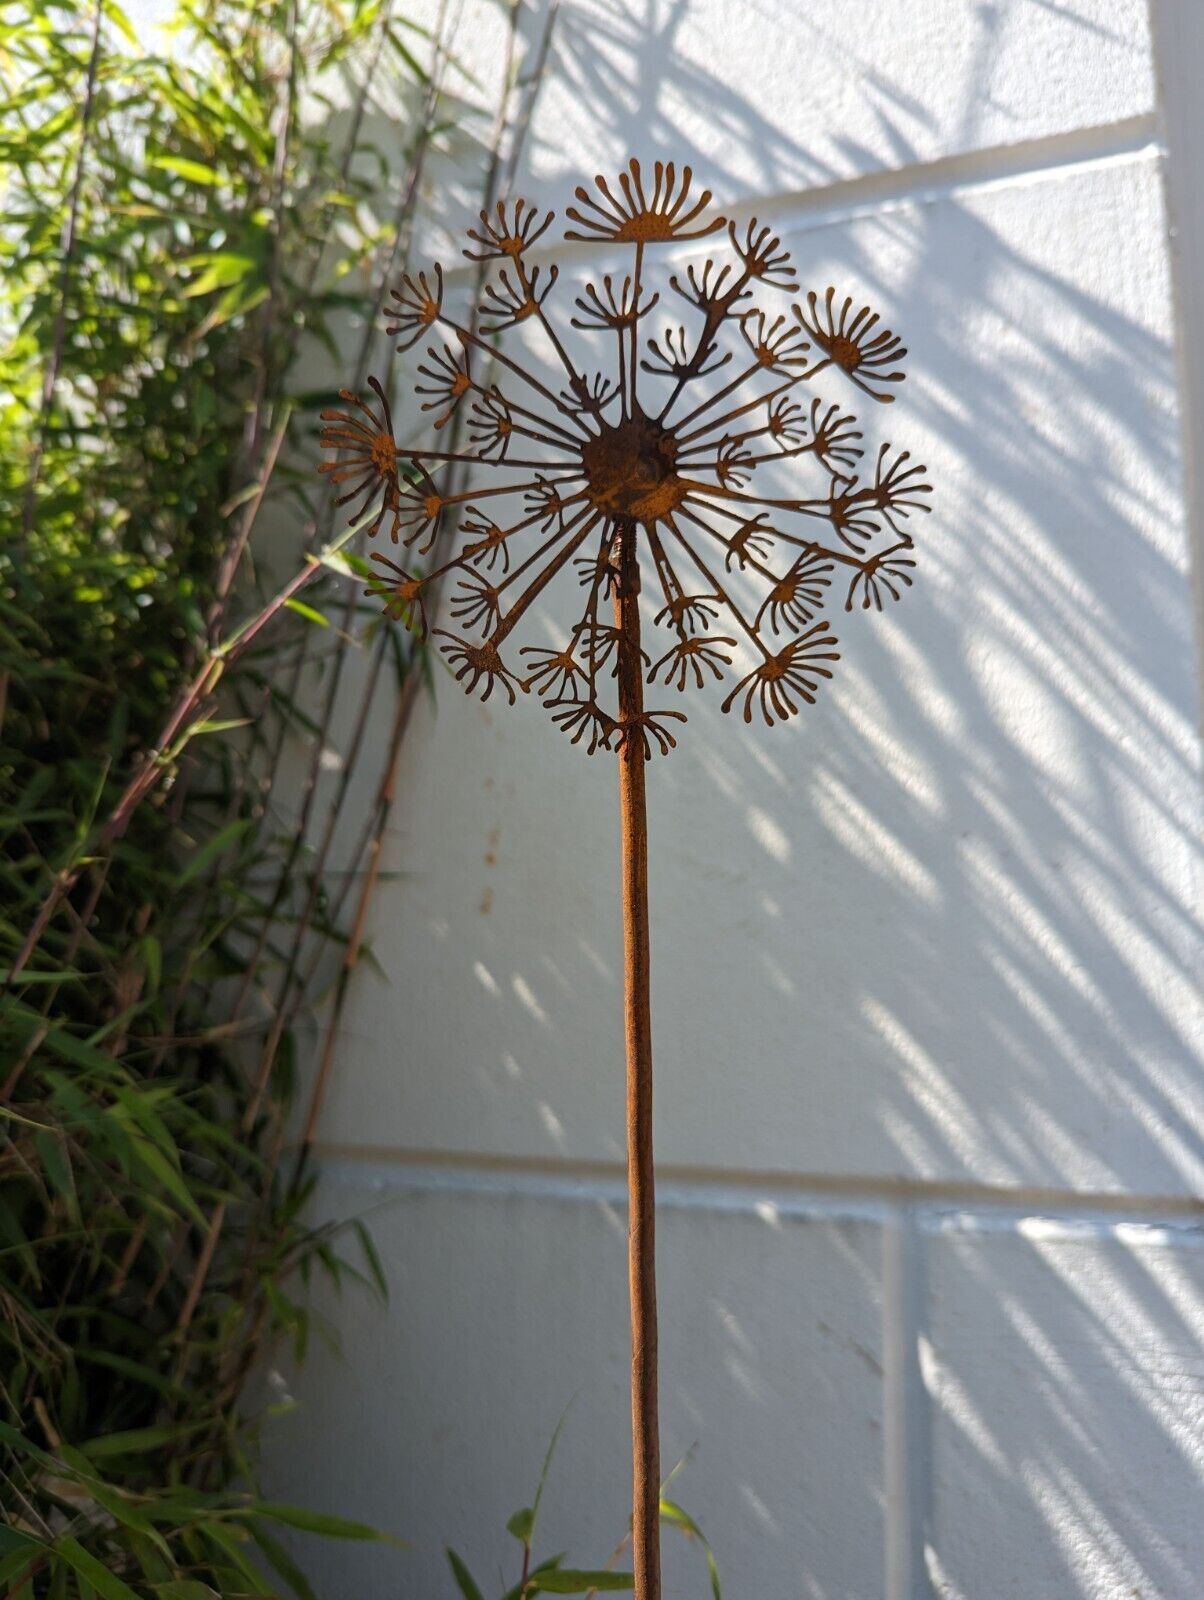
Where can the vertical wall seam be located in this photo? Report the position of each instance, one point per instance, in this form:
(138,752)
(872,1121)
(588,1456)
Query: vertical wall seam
(905,1468)
(1177,36)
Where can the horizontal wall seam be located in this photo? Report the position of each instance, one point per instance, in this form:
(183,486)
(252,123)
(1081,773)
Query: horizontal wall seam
(716,1189)
(1053,157)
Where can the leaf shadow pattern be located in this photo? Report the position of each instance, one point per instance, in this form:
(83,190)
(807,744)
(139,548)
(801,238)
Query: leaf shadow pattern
(997,808)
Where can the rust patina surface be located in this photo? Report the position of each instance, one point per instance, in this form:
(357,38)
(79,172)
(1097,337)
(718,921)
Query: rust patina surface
(676,441)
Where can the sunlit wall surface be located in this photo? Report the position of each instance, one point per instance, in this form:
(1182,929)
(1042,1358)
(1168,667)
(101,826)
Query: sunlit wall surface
(927,961)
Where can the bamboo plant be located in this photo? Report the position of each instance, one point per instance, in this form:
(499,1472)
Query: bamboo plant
(179,238)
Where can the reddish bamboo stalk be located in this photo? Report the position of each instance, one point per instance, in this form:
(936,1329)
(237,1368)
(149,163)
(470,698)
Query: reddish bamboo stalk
(641,1183)
(179,724)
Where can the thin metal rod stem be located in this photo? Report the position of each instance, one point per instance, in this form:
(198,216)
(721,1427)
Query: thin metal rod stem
(641,1184)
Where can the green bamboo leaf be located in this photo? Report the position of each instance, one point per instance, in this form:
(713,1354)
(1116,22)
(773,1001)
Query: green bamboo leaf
(141,1371)
(218,725)
(14,1539)
(238,301)
(676,1517)
(522,1524)
(56,1165)
(347,564)
(17,1562)
(308,613)
(86,1566)
(283,1563)
(124,1512)
(212,848)
(546,1468)
(28,1122)
(228,1542)
(464,1579)
(222,269)
(123,24)
(372,1256)
(247,492)
(137,1441)
(319,1522)
(23,1446)
(152,960)
(194,171)
(39,980)
(78,1051)
(523,1588)
(38,138)
(161,1169)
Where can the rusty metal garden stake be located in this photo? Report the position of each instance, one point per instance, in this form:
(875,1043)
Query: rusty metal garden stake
(637,1004)
(615,486)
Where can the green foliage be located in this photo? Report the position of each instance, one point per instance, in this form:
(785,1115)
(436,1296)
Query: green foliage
(551,1576)
(178,233)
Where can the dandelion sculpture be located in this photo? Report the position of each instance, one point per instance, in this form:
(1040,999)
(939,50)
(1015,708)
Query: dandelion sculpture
(638,484)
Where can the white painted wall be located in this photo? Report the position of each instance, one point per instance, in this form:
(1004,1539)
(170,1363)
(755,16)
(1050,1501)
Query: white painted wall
(927,1017)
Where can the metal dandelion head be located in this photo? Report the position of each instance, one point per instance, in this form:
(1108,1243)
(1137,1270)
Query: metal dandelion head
(642,472)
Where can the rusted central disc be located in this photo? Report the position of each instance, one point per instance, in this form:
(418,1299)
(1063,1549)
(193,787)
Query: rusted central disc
(631,470)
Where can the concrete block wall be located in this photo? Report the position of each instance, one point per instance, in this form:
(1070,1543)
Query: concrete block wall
(927,962)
